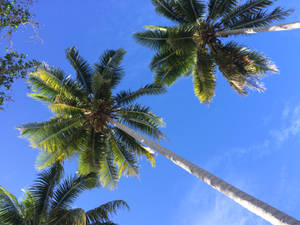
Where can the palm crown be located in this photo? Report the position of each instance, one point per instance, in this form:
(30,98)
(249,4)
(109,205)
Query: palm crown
(194,44)
(83,109)
(48,202)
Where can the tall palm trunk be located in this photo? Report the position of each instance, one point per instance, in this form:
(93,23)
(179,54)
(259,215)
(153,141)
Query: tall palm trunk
(254,205)
(280,27)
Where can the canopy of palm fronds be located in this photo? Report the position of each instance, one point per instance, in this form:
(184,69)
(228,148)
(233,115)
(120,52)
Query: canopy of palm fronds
(83,108)
(193,45)
(49,200)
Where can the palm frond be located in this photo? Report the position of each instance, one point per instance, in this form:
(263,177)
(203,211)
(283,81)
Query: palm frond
(47,159)
(170,65)
(10,210)
(52,82)
(52,135)
(41,98)
(82,68)
(169,9)
(193,10)
(28,206)
(97,85)
(93,153)
(41,88)
(180,37)
(103,213)
(242,68)
(67,217)
(134,145)
(101,88)
(180,11)
(64,110)
(217,8)
(42,190)
(66,192)
(124,159)
(126,97)
(108,172)
(252,14)
(143,119)
(109,66)
(204,77)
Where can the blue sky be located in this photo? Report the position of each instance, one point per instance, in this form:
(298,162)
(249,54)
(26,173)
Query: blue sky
(252,142)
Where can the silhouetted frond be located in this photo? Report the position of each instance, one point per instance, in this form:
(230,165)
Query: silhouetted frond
(82,68)
(204,77)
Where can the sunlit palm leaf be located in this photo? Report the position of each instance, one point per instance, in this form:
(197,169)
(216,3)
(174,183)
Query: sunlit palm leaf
(41,98)
(81,127)
(108,172)
(204,77)
(10,212)
(124,159)
(136,147)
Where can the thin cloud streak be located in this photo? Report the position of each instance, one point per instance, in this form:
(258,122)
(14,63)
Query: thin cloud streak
(204,206)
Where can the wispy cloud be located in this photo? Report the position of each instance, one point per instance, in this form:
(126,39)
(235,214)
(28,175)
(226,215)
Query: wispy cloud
(291,124)
(204,206)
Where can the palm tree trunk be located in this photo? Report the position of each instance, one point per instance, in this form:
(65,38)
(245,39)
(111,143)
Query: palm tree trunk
(280,27)
(254,205)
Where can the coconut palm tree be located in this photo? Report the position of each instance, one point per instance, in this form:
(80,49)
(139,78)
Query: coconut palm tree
(82,109)
(195,44)
(49,200)
(104,130)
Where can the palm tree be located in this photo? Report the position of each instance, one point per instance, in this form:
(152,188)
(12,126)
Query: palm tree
(48,202)
(82,110)
(194,44)
(95,125)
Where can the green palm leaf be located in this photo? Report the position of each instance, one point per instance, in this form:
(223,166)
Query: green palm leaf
(192,46)
(81,126)
(204,77)
(10,210)
(93,153)
(141,118)
(136,147)
(42,190)
(170,65)
(124,159)
(109,66)
(242,68)
(217,8)
(127,97)
(109,176)
(83,70)
(49,201)
(252,14)
(69,190)
(167,38)
(102,213)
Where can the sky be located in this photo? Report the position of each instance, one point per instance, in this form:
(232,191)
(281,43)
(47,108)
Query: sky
(251,142)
